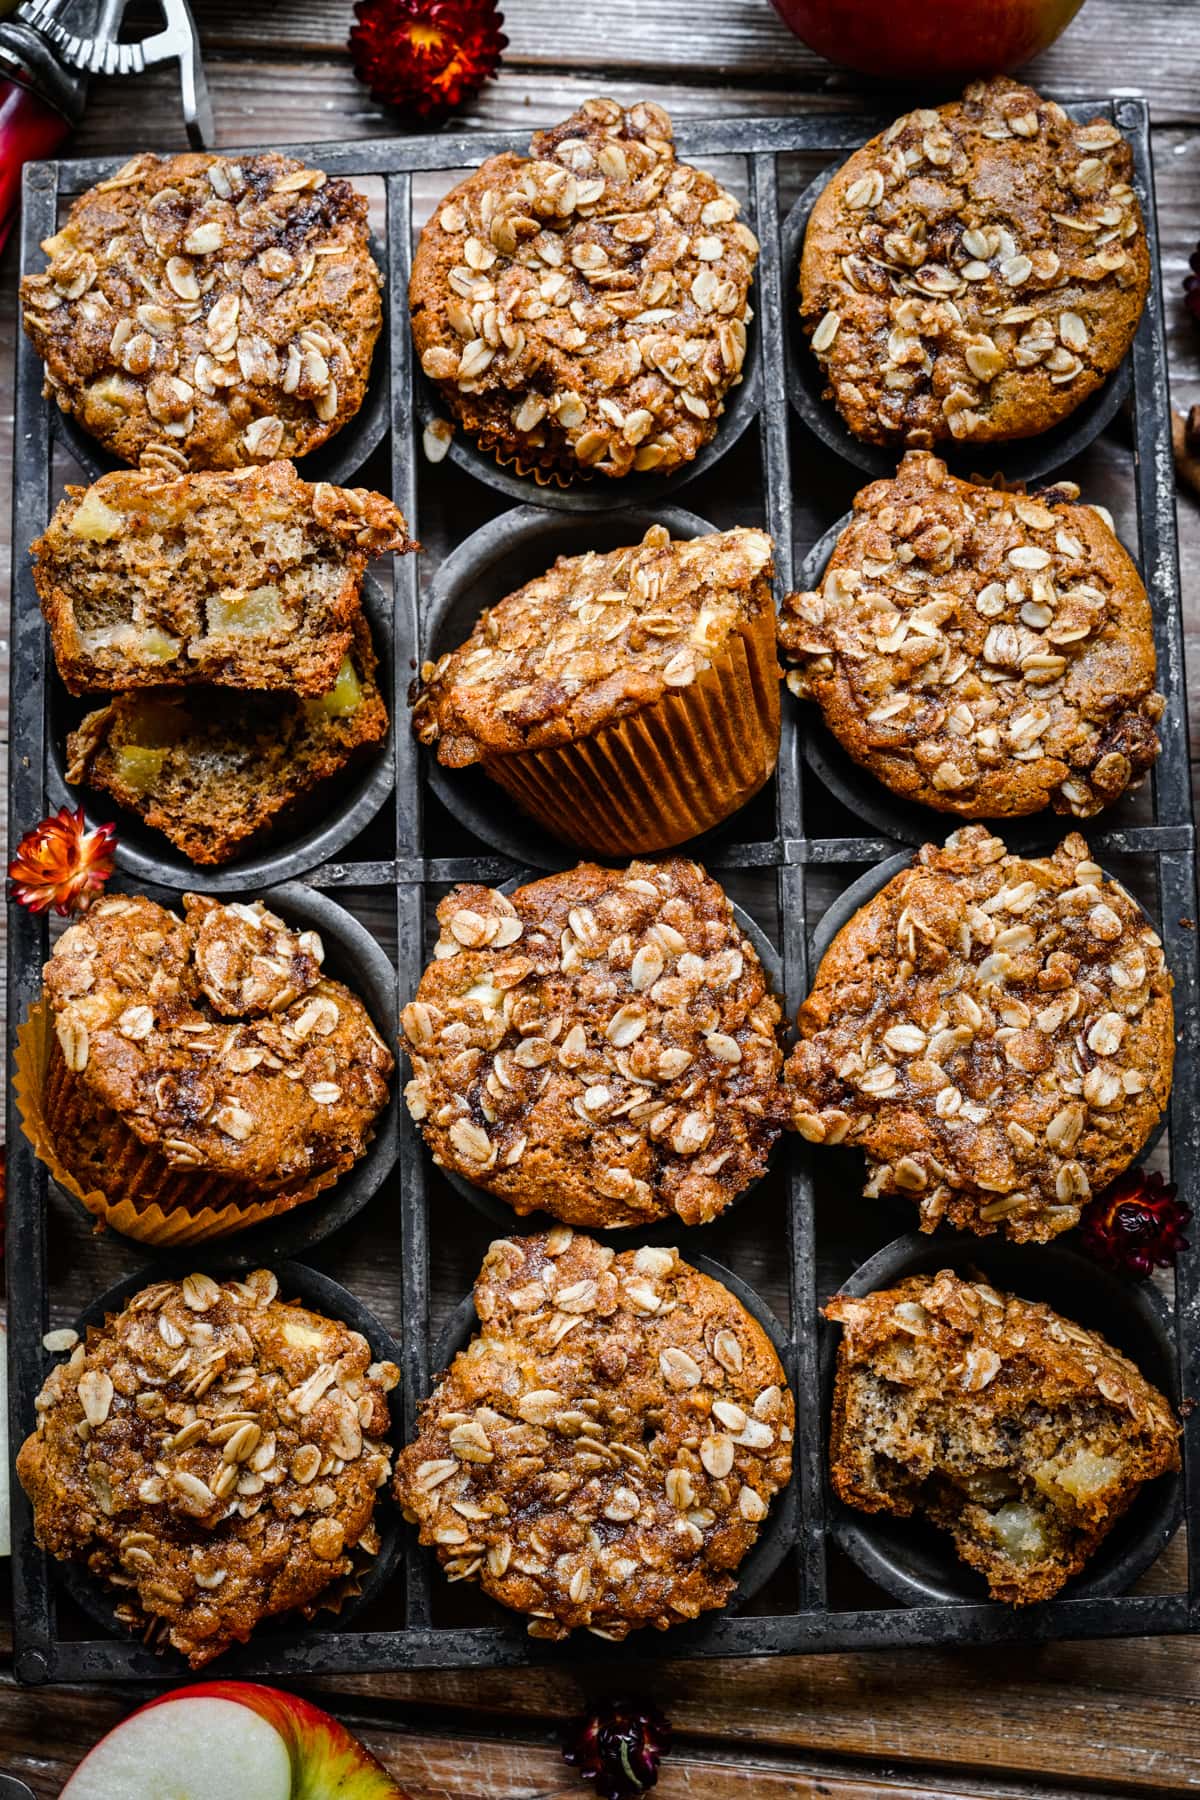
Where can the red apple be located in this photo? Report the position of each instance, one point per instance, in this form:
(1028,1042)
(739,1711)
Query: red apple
(230,1740)
(928,40)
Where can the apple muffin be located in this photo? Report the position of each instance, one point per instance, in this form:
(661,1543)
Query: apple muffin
(995,1032)
(220,771)
(604,1451)
(600,1047)
(627,700)
(251,579)
(202,1063)
(583,309)
(1022,1435)
(982,652)
(213,1454)
(976,271)
(209,312)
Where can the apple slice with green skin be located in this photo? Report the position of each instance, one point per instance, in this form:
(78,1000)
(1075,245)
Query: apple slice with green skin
(222,1739)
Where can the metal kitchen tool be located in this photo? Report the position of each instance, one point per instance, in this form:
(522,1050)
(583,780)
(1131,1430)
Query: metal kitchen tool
(54,46)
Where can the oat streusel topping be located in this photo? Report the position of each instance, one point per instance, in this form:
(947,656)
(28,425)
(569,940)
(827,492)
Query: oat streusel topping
(595,638)
(982,652)
(215,1038)
(213,1453)
(976,271)
(995,1031)
(209,312)
(585,307)
(600,1046)
(1023,1434)
(604,1451)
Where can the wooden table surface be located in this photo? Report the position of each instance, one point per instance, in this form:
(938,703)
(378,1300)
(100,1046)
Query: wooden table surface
(1054,1720)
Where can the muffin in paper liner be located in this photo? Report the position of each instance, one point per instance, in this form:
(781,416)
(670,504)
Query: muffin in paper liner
(157,1204)
(668,772)
(628,699)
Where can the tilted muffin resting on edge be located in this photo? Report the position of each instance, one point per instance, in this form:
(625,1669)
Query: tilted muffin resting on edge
(628,700)
(981,652)
(250,579)
(585,308)
(995,1031)
(1021,1434)
(219,770)
(604,1451)
(976,271)
(202,1072)
(601,1046)
(203,312)
(213,1453)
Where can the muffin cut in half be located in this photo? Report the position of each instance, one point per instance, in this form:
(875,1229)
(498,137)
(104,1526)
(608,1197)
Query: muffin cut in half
(976,271)
(584,309)
(601,1046)
(1021,1434)
(627,700)
(995,1031)
(603,1452)
(212,1453)
(250,579)
(202,1072)
(203,312)
(981,652)
(218,770)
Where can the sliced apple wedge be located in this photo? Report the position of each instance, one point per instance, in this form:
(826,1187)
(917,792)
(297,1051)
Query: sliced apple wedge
(225,1738)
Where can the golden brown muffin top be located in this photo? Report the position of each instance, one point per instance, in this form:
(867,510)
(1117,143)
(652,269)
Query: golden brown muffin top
(975,271)
(603,1452)
(214,1453)
(210,311)
(585,306)
(215,1038)
(594,639)
(995,1031)
(600,1046)
(982,652)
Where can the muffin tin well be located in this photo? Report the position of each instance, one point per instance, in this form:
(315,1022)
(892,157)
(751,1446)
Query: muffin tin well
(344,805)
(296,1282)
(351,956)
(784,859)
(1020,459)
(910,1558)
(779,1529)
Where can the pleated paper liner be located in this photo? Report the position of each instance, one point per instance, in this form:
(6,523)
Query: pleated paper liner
(143,1196)
(667,772)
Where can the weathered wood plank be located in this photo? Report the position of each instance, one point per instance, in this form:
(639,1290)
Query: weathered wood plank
(1125,41)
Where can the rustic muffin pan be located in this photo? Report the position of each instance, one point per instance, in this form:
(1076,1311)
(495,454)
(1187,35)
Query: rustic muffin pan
(803,1231)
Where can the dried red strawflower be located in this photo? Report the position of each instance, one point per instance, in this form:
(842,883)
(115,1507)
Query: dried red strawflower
(426,56)
(62,863)
(1136,1224)
(619,1745)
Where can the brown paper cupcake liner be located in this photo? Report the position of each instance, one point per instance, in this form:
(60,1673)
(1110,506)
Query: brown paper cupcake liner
(671,770)
(143,1195)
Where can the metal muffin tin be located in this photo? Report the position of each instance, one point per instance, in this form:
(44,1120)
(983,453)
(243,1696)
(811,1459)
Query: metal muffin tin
(317,1292)
(1019,459)
(913,1560)
(795,835)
